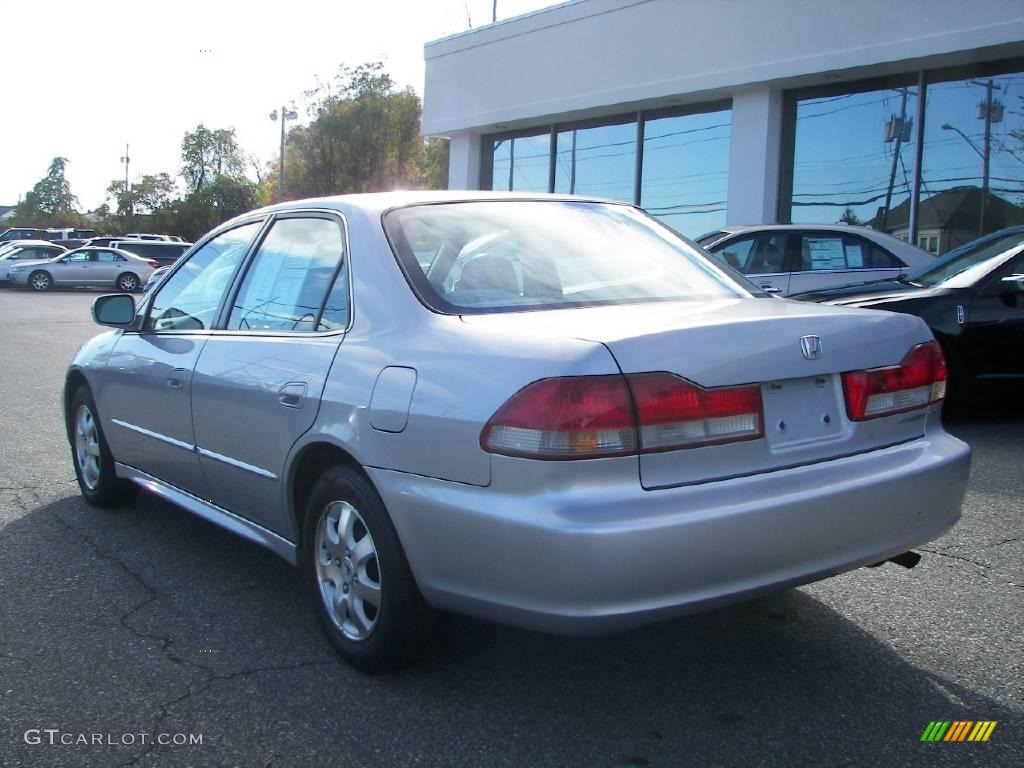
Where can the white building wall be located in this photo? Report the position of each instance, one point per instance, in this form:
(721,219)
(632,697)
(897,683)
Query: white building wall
(588,58)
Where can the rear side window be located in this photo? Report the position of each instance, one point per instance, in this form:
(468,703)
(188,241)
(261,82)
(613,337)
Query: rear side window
(287,284)
(825,251)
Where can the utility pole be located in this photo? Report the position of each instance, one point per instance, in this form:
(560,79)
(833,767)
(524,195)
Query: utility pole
(895,156)
(127,198)
(987,153)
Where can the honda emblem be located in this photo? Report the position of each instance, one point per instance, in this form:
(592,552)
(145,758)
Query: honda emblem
(811,347)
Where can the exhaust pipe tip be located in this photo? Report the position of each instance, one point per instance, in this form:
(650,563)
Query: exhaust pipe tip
(906,559)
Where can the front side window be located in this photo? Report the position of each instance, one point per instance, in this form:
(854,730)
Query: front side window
(287,283)
(189,299)
(77,257)
(515,255)
(759,254)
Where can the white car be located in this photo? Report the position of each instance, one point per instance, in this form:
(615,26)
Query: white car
(792,258)
(107,267)
(25,251)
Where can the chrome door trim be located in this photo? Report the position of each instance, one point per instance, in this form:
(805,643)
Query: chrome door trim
(236,463)
(211,512)
(155,435)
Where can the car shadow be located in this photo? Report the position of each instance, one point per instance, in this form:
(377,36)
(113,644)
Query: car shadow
(147,617)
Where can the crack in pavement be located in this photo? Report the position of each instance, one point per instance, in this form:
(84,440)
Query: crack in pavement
(165,643)
(983,566)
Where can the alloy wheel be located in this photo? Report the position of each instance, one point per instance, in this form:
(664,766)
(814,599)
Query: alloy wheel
(348,571)
(128,283)
(87,447)
(40,281)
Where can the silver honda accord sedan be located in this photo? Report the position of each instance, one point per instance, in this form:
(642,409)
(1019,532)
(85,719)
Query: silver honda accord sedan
(551,412)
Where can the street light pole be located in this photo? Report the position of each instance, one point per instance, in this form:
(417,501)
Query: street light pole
(286,115)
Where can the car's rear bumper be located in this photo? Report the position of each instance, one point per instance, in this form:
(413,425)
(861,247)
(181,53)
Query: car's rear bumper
(607,557)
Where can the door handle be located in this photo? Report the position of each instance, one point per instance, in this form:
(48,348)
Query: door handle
(292,394)
(176,378)
(770,289)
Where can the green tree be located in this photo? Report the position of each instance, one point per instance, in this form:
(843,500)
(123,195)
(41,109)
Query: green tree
(50,202)
(849,217)
(208,154)
(363,136)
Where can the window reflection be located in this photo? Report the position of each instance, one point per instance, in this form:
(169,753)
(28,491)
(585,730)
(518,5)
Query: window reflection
(958,144)
(597,161)
(853,157)
(686,170)
(521,164)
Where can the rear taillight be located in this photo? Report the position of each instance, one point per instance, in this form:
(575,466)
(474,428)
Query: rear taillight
(585,417)
(579,417)
(918,380)
(154,264)
(673,413)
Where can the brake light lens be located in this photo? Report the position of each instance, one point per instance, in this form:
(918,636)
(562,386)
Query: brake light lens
(154,264)
(579,417)
(673,413)
(919,380)
(585,417)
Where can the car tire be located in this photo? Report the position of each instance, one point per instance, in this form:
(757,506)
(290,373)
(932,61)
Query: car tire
(347,571)
(94,464)
(40,281)
(128,282)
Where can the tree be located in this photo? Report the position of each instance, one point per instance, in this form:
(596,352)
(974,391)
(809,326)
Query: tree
(849,217)
(363,136)
(207,154)
(50,202)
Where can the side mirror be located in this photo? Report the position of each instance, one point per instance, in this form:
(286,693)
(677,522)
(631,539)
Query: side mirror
(117,310)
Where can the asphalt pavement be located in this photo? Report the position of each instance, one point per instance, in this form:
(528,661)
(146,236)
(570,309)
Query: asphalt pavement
(119,628)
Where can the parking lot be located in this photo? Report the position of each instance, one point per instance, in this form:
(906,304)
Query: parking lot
(146,620)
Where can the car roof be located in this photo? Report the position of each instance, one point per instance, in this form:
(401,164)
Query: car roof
(378,202)
(136,241)
(26,243)
(878,235)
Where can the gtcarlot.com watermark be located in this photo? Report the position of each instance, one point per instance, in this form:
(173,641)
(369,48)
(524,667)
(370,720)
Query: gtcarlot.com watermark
(57,737)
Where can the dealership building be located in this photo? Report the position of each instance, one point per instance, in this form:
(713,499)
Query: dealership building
(906,115)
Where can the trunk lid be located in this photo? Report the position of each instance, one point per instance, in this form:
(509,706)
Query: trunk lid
(730,342)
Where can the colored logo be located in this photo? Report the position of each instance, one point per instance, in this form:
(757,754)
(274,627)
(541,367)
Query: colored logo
(958,730)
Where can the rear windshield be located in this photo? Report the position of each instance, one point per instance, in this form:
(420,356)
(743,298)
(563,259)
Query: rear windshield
(499,256)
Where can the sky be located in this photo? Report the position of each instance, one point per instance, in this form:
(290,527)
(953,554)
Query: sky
(148,72)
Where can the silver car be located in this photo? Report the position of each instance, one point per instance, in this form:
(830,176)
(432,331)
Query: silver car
(785,259)
(549,412)
(24,252)
(108,267)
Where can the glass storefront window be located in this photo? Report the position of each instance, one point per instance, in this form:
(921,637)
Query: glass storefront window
(686,170)
(853,158)
(597,161)
(958,144)
(521,163)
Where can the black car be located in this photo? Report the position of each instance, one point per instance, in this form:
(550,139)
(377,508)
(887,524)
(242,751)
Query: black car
(23,233)
(973,300)
(161,251)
